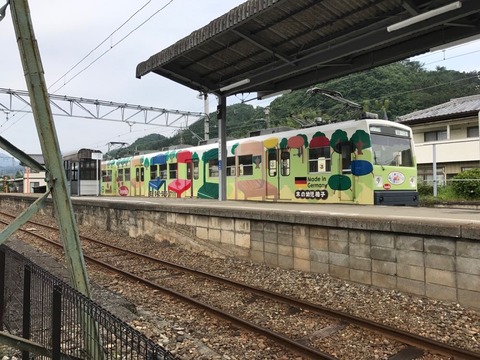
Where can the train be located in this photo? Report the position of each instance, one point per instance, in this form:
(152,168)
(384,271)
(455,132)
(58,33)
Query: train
(365,161)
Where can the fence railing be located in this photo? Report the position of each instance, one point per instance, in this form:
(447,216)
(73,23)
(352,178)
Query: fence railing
(37,306)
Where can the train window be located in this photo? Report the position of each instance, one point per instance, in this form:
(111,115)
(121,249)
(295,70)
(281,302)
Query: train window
(231,166)
(120,176)
(245,165)
(107,176)
(319,159)
(142,174)
(153,171)
(285,158)
(74,172)
(394,151)
(172,170)
(163,171)
(272,162)
(88,168)
(195,169)
(137,174)
(126,174)
(213,168)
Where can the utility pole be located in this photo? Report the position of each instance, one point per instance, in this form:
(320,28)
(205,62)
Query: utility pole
(42,112)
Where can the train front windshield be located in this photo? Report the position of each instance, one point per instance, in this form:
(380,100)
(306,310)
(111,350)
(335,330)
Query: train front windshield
(391,146)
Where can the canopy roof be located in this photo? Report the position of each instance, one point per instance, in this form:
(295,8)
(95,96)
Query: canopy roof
(269,46)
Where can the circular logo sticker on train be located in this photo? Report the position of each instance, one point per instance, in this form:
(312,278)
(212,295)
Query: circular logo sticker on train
(123,191)
(396,178)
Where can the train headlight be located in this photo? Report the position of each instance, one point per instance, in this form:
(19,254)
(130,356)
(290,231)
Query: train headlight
(413,181)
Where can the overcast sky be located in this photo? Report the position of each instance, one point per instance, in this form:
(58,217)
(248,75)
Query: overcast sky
(68,30)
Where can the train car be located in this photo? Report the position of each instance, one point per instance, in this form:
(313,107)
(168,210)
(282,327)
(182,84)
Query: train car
(367,161)
(82,169)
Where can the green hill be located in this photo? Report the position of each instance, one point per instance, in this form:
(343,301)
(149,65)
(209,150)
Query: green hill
(390,91)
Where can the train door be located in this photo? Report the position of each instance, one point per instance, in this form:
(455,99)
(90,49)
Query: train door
(344,180)
(139,181)
(278,172)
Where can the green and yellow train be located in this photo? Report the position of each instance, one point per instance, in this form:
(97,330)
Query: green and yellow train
(367,161)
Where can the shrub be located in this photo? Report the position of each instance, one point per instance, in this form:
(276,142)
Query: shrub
(425,189)
(467,184)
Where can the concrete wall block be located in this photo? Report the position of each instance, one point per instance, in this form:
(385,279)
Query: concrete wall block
(339,247)
(360,276)
(410,257)
(319,256)
(468,282)
(256,236)
(227,237)
(285,239)
(202,233)
(381,253)
(468,265)
(319,244)
(360,263)
(171,218)
(301,265)
(441,262)
(440,277)
(469,298)
(271,248)
(202,221)
(439,246)
(404,242)
(301,253)
(227,224)
(242,226)
(285,250)
(242,240)
(411,286)
(319,268)
(445,293)
(300,236)
(338,235)
(256,245)
(270,227)
(384,281)
(381,239)
(270,237)
(271,259)
(359,237)
(338,259)
(411,272)
(341,272)
(469,249)
(285,229)
(214,222)
(285,262)
(257,256)
(384,267)
(256,225)
(359,250)
(181,219)
(318,232)
(214,235)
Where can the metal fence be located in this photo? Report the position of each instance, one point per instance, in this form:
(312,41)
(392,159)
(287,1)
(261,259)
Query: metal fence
(37,306)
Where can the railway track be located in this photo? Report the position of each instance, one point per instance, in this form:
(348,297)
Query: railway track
(251,308)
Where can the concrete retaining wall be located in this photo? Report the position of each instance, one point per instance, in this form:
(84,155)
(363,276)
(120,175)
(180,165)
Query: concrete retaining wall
(440,261)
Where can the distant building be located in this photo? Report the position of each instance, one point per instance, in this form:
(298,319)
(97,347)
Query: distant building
(34,180)
(450,133)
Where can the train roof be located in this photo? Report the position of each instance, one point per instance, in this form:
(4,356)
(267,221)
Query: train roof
(327,128)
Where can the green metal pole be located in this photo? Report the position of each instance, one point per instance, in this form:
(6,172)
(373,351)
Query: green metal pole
(42,113)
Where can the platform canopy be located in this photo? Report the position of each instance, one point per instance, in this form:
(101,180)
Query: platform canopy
(272,46)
